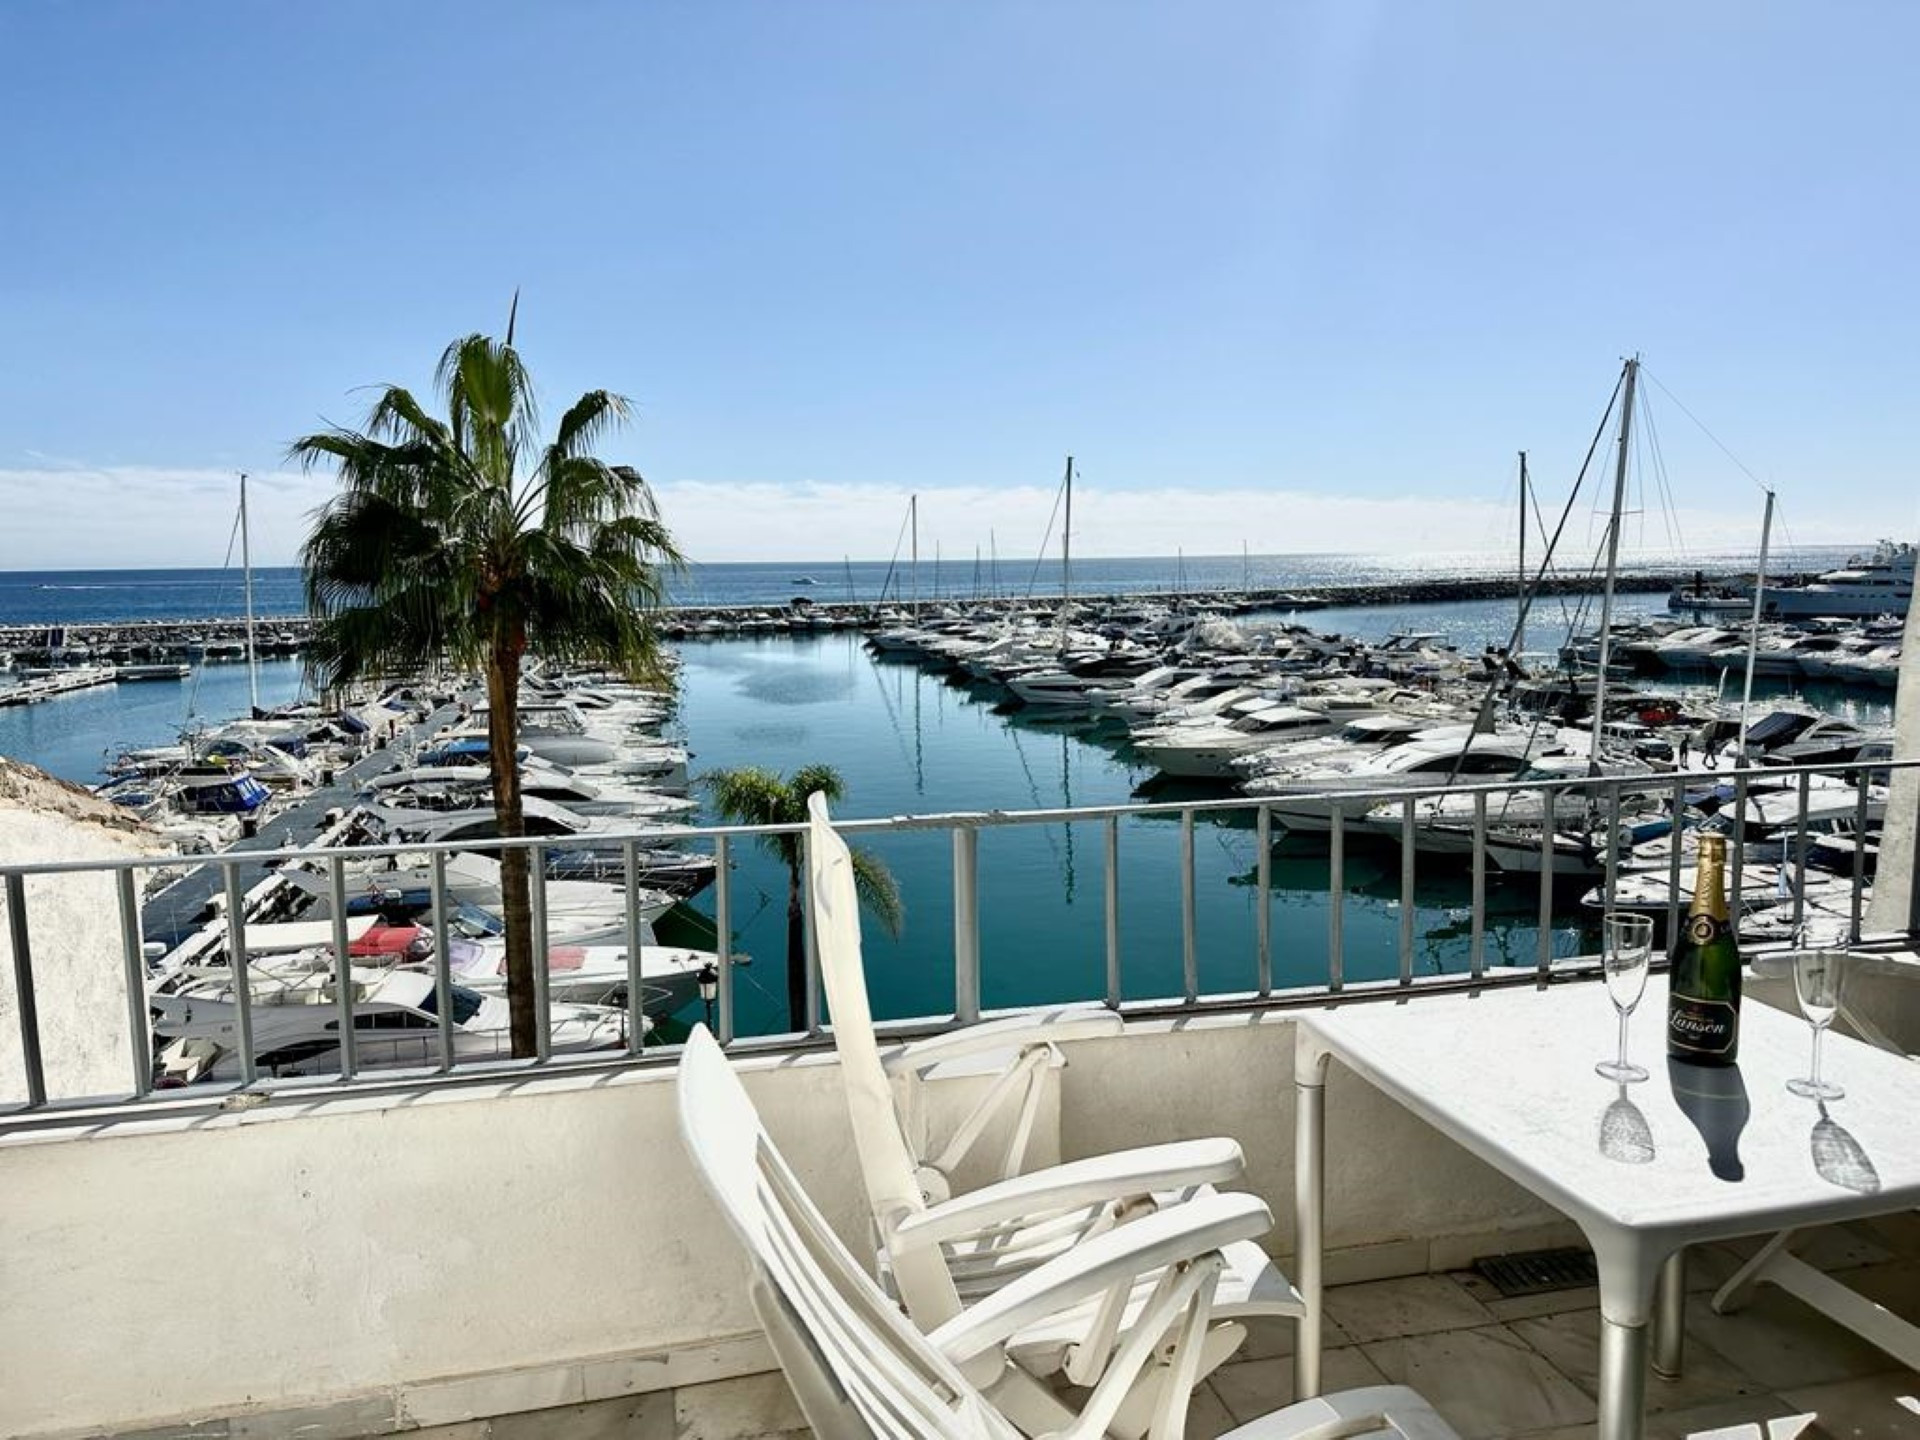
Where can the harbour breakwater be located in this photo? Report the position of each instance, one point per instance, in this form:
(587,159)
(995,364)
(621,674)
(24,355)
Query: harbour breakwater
(224,639)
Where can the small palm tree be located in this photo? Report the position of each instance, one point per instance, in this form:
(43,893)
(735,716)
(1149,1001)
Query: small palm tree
(463,540)
(752,795)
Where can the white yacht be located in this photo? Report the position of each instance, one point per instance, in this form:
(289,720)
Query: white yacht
(1303,801)
(1879,584)
(396,1024)
(1206,749)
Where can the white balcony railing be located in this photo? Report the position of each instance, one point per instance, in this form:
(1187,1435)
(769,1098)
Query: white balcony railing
(225,942)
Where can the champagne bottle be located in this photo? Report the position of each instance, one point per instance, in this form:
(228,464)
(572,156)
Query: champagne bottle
(1703,987)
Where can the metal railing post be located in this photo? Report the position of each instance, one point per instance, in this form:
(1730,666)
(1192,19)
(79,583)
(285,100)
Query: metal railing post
(1114,988)
(1674,837)
(1477,944)
(1859,858)
(237,964)
(443,959)
(1409,820)
(1189,945)
(1800,852)
(1612,841)
(23,996)
(1549,800)
(810,949)
(1736,906)
(966,924)
(636,999)
(133,961)
(342,966)
(1336,898)
(542,957)
(723,934)
(1263,899)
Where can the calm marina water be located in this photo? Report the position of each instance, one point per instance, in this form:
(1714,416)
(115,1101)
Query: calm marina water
(909,742)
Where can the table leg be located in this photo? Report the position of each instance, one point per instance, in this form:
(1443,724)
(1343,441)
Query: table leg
(1670,1317)
(1623,1380)
(1309,1211)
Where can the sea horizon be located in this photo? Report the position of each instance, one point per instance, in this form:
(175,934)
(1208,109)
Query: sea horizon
(104,595)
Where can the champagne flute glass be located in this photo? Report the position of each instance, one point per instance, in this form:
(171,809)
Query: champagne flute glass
(1629,946)
(1818,964)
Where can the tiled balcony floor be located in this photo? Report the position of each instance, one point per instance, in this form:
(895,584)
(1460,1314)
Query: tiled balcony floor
(1528,1366)
(1498,1369)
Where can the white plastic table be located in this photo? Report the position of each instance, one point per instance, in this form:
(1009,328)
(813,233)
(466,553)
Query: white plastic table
(1508,1073)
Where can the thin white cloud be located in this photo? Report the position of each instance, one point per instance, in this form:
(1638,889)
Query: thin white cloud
(746,521)
(78,517)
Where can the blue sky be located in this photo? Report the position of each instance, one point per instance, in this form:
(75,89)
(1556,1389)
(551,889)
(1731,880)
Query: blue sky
(1303,274)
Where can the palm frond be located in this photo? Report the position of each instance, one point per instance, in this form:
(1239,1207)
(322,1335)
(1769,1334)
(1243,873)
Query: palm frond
(873,882)
(822,778)
(754,795)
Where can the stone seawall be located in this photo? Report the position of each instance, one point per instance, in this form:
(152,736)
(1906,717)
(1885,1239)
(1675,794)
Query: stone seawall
(171,640)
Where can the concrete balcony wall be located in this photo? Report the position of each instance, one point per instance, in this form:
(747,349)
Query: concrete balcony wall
(381,1262)
(374,1263)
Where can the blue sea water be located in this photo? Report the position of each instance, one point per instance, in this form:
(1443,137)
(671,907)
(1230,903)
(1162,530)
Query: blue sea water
(56,597)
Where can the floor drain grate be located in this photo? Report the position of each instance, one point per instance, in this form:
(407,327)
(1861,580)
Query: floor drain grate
(1534,1272)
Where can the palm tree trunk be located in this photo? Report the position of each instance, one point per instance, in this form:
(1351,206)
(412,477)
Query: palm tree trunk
(796,955)
(516,902)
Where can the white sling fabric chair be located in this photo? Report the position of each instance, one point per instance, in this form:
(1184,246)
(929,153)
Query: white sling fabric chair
(861,1372)
(941,1252)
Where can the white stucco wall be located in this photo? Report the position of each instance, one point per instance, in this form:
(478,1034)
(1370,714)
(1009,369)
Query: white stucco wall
(172,1269)
(74,935)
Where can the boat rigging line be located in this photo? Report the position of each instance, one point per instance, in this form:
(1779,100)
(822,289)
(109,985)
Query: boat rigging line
(1047,539)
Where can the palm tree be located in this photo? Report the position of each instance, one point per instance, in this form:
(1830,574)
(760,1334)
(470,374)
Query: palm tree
(464,540)
(752,795)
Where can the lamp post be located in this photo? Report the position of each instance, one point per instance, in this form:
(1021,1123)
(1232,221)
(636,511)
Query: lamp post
(709,981)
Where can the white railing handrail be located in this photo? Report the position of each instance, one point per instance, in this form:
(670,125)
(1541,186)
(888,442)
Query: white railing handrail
(227,930)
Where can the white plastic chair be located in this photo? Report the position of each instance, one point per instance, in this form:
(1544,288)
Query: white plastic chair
(941,1252)
(1881,1004)
(860,1371)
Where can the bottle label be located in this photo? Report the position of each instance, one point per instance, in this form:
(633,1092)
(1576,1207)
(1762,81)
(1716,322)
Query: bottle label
(1701,1027)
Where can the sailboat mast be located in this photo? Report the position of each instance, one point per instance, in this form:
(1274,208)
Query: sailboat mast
(1613,562)
(1066,547)
(246,565)
(1753,628)
(913,517)
(1520,623)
